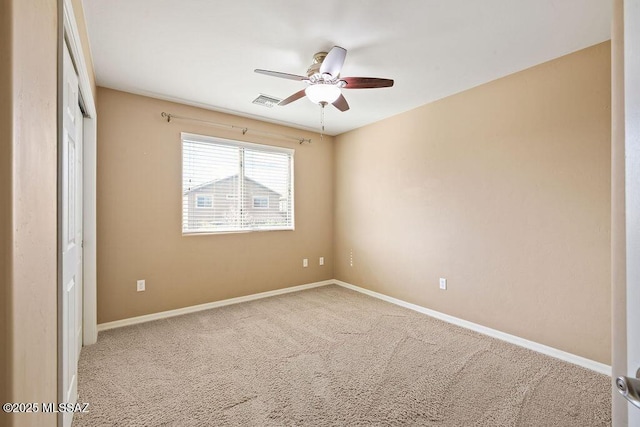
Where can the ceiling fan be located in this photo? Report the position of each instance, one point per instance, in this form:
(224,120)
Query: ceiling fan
(324,82)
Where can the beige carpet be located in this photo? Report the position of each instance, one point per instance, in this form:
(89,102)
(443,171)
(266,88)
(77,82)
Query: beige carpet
(327,356)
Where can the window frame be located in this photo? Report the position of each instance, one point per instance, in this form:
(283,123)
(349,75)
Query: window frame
(241,145)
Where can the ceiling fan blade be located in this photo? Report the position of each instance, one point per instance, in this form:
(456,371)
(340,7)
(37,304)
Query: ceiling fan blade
(341,103)
(332,63)
(366,82)
(292,98)
(281,75)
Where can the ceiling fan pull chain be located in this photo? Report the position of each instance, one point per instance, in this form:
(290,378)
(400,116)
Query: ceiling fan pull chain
(322,104)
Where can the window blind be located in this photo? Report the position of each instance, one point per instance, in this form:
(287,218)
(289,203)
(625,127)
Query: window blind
(234,186)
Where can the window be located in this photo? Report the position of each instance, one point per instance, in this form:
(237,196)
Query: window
(204,201)
(261,202)
(234,186)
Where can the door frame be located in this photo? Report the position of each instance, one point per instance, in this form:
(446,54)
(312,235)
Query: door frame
(632,188)
(625,201)
(72,36)
(68,33)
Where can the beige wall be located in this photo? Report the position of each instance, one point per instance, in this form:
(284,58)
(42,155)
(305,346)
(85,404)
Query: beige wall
(503,189)
(139,214)
(28,193)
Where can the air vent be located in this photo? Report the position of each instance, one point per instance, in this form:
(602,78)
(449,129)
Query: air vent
(266,100)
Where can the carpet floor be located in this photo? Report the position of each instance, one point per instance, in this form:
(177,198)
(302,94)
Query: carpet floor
(327,357)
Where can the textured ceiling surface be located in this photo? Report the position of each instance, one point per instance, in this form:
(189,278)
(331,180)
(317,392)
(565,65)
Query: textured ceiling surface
(203,52)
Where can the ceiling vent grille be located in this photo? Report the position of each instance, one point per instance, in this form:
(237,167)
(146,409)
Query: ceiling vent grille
(266,100)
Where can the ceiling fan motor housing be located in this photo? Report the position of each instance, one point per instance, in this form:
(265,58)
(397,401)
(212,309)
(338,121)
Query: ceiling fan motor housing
(314,68)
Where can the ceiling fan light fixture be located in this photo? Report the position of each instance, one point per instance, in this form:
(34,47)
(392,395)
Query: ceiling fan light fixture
(322,93)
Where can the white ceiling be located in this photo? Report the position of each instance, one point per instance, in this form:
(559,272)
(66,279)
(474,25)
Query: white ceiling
(203,52)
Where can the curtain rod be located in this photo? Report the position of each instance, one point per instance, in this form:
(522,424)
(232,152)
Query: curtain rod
(244,130)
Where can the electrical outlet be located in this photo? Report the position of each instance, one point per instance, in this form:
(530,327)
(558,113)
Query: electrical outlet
(443,283)
(321,260)
(305,262)
(140,286)
(351,258)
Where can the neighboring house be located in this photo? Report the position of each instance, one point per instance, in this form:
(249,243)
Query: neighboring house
(222,203)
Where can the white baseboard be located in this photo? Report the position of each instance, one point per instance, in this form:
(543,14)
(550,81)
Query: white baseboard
(531,345)
(207,306)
